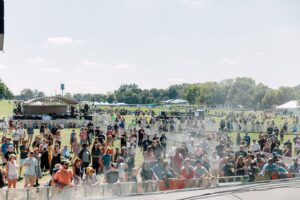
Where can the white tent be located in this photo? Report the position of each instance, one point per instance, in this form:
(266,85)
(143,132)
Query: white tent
(291,107)
(288,106)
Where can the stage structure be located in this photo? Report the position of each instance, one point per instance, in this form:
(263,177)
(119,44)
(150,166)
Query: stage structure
(56,107)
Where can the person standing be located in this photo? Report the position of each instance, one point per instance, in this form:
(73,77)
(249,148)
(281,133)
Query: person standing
(96,154)
(30,132)
(85,156)
(163,141)
(24,149)
(30,172)
(16,138)
(56,158)
(63,178)
(12,171)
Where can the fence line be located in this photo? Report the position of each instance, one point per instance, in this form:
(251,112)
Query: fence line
(115,190)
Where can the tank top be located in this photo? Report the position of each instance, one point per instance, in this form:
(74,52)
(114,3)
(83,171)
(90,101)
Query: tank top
(12,169)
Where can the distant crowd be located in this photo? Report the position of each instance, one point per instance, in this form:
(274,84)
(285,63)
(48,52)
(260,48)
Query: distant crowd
(96,155)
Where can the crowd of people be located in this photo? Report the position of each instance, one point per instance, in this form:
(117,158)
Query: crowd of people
(110,154)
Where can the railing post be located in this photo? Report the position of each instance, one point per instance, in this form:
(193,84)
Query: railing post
(27,193)
(48,193)
(6,194)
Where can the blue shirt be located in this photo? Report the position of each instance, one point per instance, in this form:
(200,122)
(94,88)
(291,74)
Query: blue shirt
(65,153)
(4,148)
(31,170)
(269,169)
(30,130)
(158,169)
(247,139)
(106,160)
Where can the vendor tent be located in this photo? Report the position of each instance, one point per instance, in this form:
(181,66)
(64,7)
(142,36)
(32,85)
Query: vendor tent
(288,106)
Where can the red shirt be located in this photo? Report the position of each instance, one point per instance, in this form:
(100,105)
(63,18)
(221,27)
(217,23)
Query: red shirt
(187,173)
(177,162)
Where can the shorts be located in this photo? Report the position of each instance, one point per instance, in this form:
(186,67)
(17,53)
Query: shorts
(12,177)
(29,178)
(30,136)
(22,162)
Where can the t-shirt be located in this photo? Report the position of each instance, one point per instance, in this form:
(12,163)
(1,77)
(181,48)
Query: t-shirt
(163,140)
(146,143)
(63,177)
(187,173)
(4,148)
(240,153)
(247,139)
(30,130)
(24,152)
(158,169)
(73,135)
(106,160)
(85,156)
(200,172)
(31,169)
(21,133)
(121,169)
(269,169)
(15,135)
(227,169)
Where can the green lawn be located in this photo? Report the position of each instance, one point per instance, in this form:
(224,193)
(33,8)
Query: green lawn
(6,108)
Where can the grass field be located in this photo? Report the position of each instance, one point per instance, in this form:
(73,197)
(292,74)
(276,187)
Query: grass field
(6,108)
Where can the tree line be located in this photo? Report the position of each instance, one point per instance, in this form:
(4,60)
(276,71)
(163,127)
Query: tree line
(241,91)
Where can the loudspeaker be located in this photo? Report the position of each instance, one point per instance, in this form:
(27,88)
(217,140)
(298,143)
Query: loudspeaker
(1,16)
(1,24)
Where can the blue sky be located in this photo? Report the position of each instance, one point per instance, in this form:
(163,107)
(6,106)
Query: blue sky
(96,45)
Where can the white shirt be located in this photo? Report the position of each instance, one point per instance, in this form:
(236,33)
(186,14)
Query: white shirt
(121,169)
(22,133)
(12,169)
(15,135)
(255,147)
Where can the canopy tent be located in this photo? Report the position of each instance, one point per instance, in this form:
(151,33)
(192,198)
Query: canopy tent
(288,106)
(175,101)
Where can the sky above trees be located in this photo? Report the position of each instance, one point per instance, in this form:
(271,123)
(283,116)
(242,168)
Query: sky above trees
(95,46)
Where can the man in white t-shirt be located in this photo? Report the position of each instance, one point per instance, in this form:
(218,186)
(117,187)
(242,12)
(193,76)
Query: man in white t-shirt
(22,134)
(16,138)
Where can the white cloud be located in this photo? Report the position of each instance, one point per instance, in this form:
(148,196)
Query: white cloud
(51,70)
(228,61)
(36,60)
(3,67)
(91,63)
(123,66)
(57,41)
(60,40)
(259,53)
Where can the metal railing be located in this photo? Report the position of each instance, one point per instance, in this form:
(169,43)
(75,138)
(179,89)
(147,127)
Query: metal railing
(115,190)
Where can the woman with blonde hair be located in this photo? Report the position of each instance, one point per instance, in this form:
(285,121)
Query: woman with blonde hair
(12,171)
(240,166)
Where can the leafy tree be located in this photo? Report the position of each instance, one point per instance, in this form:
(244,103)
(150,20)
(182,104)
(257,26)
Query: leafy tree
(270,99)
(242,92)
(5,93)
